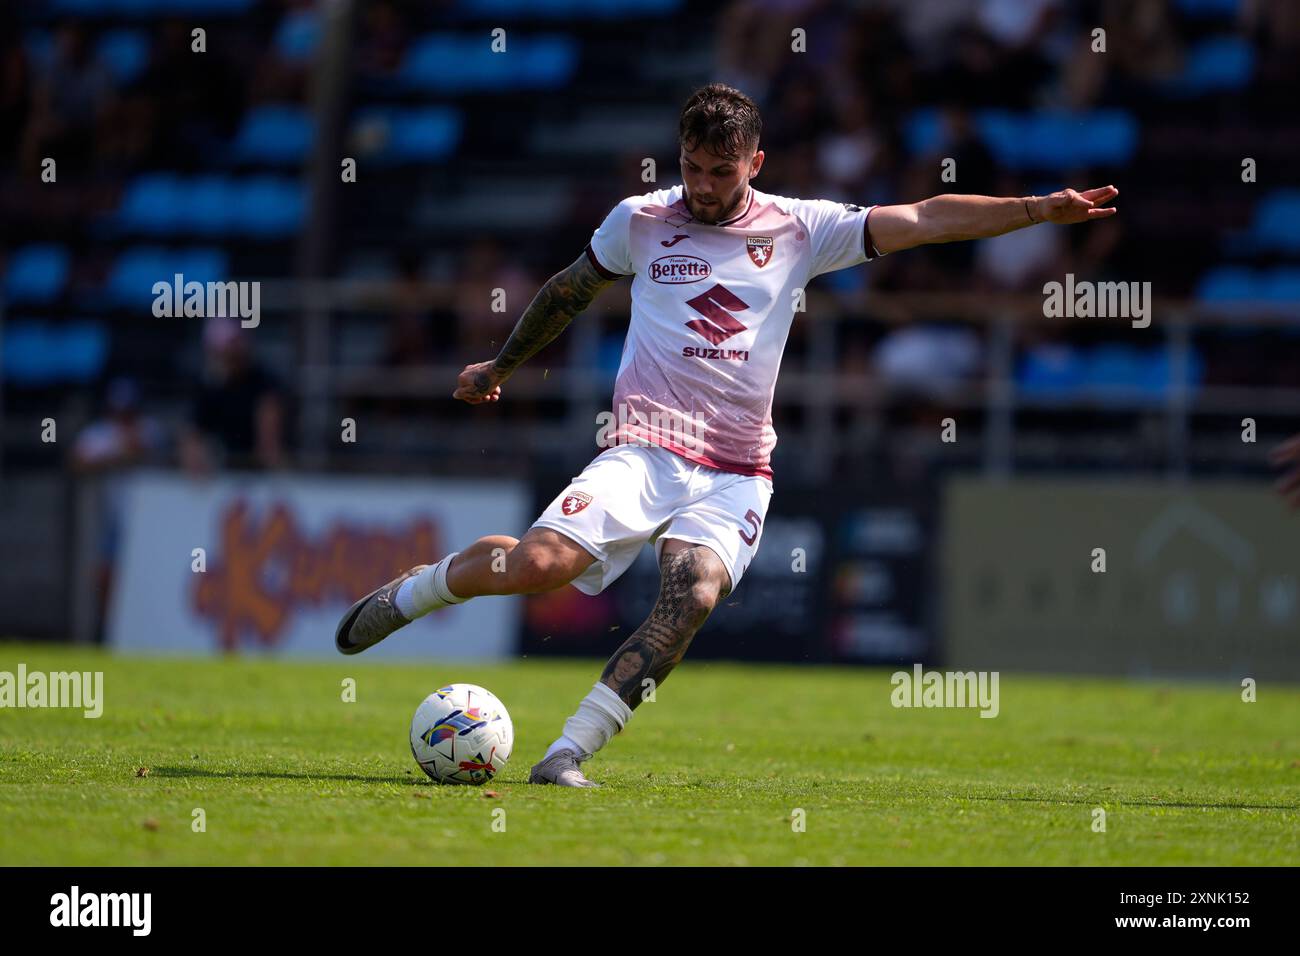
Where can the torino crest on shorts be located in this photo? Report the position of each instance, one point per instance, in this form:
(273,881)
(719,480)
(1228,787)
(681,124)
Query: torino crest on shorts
(574,502)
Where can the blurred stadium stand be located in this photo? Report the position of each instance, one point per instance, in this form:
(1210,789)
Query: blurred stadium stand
(477,171)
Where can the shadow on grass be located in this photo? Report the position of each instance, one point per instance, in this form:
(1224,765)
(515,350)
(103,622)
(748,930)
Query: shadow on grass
(193,772)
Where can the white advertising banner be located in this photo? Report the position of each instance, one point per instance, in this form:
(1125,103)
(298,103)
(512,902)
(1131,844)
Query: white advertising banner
(268,564)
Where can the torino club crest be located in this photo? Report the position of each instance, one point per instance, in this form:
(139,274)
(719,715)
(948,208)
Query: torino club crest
(574,502)
(759,249)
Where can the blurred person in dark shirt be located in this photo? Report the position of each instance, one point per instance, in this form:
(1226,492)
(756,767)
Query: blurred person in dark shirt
(108,449)
(71,96)
(237,414)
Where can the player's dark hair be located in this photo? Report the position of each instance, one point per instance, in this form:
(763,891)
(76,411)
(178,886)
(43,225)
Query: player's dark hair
(723,120)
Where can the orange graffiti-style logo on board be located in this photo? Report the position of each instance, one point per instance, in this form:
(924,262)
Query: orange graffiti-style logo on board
(264,570)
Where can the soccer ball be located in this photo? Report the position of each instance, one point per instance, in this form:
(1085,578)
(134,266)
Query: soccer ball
(462,734)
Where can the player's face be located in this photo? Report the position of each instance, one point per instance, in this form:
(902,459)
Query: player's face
(714,185)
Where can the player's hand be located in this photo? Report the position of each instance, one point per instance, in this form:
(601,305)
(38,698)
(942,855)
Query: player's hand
(1288,453)
(1068,206)
(478,384)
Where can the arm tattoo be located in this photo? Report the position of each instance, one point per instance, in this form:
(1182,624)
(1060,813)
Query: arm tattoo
(564,295)
(658,645)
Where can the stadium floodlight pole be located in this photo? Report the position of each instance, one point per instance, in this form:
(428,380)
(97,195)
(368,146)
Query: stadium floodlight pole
(313,253)
(1178,409)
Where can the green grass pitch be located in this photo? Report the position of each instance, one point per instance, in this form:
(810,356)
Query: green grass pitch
(710,773)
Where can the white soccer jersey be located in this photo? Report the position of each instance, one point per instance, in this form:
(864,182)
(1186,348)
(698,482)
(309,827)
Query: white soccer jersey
(711,311)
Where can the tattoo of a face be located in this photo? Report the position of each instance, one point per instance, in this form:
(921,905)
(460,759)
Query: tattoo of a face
(659,644)
(562,297)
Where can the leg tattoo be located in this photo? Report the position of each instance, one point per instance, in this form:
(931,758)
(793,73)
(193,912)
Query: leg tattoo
(689,589)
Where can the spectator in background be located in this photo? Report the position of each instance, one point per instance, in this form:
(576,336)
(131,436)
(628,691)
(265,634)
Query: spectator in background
(485,270)
(15,94)
(408,334)
(946,266)
(237,416)
(72,95)
(1018,261)
(196,100)
(848,154)
(382,39)
(108,449)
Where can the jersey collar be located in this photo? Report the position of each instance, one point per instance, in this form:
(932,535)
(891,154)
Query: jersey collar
(748,204)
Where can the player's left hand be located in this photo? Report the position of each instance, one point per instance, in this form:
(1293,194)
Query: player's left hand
(1288,453)
(1067,206)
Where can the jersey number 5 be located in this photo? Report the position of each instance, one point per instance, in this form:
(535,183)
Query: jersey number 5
(751,517)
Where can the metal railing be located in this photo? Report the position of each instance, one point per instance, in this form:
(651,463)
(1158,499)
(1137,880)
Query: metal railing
(814,387)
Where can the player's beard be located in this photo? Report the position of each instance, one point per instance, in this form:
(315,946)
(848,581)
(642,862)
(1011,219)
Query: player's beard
(713,214)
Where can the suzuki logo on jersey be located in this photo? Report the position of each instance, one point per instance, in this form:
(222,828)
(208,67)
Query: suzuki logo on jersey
(574,502)
(716,305)
(674,270)
(669,243)
(722,355)
(759,249)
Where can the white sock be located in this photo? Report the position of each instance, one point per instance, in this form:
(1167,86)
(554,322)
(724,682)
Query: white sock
(564,743)
(598,718)
(427,591)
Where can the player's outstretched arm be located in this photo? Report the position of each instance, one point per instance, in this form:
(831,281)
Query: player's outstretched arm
(953,217)
(564,295)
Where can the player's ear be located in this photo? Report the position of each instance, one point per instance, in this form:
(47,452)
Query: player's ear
(756,164)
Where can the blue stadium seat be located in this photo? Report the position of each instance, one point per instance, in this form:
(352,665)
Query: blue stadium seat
(298,36)
(275,134)
(1227,284)
(1037,140)
(83,7)
(1113,371)
(1209,9)
(1054,371)
(132,278)
(37,273)
(210,206)
(1282,286)
(45,353)
(549,63)
(1213,65)
(557,9)
(1239,284)
(147,8)
(409,135)
(1276,225)
(451,63)
(124,53)
(1156,374)
(269,207)
(160,204)
(151,204)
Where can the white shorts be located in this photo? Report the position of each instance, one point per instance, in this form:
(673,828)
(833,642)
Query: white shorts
(633,494)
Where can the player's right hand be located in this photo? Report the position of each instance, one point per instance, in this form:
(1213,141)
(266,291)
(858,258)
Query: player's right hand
(478,384)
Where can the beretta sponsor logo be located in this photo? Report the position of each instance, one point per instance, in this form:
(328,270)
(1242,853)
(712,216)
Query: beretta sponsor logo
(671,270)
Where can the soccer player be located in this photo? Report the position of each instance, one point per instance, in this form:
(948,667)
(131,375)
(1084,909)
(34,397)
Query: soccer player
(717,269)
